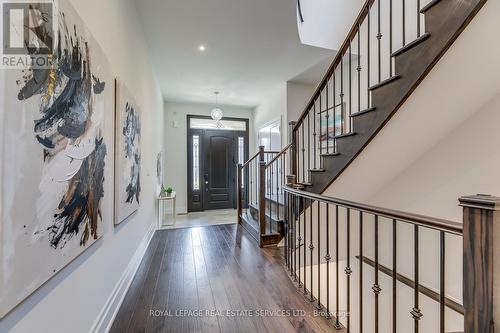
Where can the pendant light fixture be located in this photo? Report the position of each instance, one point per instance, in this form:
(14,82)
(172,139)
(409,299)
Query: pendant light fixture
(217,113)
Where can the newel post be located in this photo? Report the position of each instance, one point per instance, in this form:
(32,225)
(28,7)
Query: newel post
(239,192)
(481,268)
(262,193)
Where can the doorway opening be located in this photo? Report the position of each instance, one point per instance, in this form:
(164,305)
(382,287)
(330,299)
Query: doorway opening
(214,152)
(269,136)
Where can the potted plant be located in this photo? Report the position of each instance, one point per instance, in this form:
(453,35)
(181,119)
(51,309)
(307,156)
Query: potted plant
(169,191)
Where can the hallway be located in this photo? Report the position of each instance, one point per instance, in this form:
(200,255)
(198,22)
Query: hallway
(213,279)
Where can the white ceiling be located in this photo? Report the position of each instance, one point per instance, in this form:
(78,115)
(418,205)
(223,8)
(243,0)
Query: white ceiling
(251,46)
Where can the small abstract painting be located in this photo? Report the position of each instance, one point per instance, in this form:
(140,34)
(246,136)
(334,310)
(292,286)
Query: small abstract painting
(128,154)
(56,145)
(330,125)
(159,168)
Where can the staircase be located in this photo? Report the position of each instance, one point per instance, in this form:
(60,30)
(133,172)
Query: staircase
(368,82)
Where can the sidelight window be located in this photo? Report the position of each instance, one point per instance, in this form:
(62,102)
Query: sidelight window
(196,162)
(241,150)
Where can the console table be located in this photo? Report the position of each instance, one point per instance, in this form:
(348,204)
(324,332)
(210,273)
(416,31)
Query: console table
(161,208)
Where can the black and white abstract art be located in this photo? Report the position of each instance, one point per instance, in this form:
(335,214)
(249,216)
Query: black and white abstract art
(128,154)
(56,152)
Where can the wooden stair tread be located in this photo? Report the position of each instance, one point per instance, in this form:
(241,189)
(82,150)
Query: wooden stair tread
(429,6)
(329,154)
(359,113)
(384,82)
(411,44)
(344,135)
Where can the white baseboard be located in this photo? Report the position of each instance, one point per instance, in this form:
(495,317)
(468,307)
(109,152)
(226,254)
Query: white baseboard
(108,313)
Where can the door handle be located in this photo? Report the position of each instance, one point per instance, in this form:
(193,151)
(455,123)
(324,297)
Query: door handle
(205,177)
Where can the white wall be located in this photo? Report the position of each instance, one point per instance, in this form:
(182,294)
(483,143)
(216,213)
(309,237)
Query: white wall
(175,138)
(271,107)
(297,96)
(73,299)
(327,22)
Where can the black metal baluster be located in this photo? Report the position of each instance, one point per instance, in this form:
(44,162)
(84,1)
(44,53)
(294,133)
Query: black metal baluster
(271,175)
(299,238)
(418,18)
(379,38)
(390,38)
(334,113)
(311,246)
(416,313)
(303,155)
(294,210)
(394,276)
(328,258)
(320,134)
(368,60)
(305,240)
(309,143)
(286,220)
(359,68)
(290,245)
(276,195)
(251,181)
(348,270)
(442,280)
(361,272)
(337,321)
(342,118)
(314,134)
(350,86)
(404,22)
(328,114)
(319,256)
(376,288)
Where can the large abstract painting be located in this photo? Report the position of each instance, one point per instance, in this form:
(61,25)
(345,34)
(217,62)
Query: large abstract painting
(56,149)
(128,154)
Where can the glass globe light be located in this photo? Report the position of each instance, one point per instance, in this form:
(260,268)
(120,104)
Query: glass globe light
(216,114)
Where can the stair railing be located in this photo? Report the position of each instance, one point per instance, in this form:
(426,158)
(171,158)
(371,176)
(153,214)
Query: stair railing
(275,178)
(364,61)
(335,249)
(251,185)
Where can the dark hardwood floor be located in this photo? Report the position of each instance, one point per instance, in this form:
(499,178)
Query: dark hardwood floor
(214,279)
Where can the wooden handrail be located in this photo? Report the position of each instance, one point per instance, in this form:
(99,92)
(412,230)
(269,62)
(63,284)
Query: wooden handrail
(421,220)
(338,57)
(283,151)
(250,160)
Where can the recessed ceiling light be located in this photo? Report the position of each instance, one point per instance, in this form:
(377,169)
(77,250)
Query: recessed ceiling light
(201,48)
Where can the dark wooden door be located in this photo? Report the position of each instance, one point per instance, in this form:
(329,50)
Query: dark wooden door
(218,169)
(213,155)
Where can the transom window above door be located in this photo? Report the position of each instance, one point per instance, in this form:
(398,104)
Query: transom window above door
(224,124)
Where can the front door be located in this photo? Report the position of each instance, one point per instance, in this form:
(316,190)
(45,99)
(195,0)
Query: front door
(219,169)
(213,155)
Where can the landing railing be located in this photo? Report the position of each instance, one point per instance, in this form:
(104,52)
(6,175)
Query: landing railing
(275,178)
(260,190)
(383,270)
(251,184)
(363,62)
